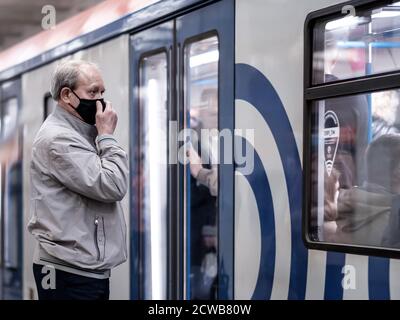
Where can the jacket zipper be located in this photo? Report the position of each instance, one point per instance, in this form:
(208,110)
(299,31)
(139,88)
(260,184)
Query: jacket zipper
(96,223)
(104,236)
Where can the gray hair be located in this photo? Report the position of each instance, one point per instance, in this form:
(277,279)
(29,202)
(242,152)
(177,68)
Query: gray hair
(67,75)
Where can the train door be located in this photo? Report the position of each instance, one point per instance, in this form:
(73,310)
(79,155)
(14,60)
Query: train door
(182,212)
(11,214)
(152,57)
(205,46)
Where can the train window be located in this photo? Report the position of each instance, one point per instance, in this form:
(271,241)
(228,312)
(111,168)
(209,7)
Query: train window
(9,117)
(1,223)
(353,46)
(355,171)
(352,132)
(12,214)
(153,173)
(49,105)
(11,194)
(201,178)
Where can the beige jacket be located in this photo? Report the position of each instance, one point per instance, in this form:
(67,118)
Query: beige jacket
(77,182)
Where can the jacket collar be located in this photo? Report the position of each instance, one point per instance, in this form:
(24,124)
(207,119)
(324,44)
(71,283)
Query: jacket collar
(376,188)
(77,124)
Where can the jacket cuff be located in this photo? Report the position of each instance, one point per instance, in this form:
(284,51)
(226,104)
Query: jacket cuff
(105,140)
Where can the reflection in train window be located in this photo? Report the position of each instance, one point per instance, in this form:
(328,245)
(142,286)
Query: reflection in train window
(1,223)
(201,178)
(355,46)
(9,117)
(355,170)
(12,214)
(11,204)
(153,174)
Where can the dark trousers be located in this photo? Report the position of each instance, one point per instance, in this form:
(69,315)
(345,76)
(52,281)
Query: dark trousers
(69,286)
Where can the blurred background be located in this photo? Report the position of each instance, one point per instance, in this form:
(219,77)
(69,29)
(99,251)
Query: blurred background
(20,19)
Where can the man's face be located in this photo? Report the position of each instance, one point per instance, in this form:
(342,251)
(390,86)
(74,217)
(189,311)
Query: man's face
(210,241)
(90,85)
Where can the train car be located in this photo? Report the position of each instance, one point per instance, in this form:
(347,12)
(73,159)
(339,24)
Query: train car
(291,96)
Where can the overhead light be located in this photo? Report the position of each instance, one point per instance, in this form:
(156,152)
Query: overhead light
(343,23)
(386,14)
(155,200)
(204,58)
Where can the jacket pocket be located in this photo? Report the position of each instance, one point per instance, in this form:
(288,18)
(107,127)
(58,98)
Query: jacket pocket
(99,238)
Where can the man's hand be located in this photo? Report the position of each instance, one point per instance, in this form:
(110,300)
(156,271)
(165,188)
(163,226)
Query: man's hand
(195,162)
(105,121)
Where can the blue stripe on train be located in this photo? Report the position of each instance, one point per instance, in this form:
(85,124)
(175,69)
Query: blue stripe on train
(258,181)
(252,86)
(333,277)
(378,278)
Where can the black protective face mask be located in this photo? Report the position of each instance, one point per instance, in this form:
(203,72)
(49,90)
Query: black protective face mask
(87,109)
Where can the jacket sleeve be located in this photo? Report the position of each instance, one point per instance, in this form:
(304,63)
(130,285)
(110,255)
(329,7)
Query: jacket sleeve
(102,175)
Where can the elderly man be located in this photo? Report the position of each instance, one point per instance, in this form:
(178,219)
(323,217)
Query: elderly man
(79,174)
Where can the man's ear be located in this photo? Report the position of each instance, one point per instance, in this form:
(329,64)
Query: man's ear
(65,94)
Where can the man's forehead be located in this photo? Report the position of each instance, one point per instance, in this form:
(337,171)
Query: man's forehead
(90,75)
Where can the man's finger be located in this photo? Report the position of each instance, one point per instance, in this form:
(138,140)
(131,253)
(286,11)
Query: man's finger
(99,107)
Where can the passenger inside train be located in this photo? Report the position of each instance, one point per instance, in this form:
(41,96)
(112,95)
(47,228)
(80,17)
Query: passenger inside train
(205,281)
(202,155)
(354,199)
(354,169)
(364,212)
(385,113)
(352,113)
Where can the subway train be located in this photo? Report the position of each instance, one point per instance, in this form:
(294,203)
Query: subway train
(299,105)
